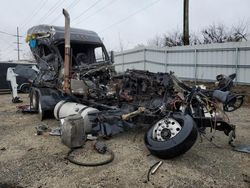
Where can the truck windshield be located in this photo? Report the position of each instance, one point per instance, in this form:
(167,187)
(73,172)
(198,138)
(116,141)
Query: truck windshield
(85,54)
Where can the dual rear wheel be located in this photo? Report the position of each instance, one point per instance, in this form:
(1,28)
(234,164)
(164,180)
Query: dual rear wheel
(35,103)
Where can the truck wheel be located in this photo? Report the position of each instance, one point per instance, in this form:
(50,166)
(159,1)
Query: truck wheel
(40,111)
(25,88)
(34,99)
(172,136)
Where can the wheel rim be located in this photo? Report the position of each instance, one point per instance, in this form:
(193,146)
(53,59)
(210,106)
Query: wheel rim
(166,129)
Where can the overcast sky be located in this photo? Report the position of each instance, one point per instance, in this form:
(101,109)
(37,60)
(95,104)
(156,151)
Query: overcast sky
(129,22)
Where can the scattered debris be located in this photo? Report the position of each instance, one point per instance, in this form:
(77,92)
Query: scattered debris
(242,148)
(6,185)
(3,148)
(156,167)
(101,148)
(30,149)
(26,109)
(153,169)
(40,129)
(73,134)
(246,178)
(91,137)
(55,132)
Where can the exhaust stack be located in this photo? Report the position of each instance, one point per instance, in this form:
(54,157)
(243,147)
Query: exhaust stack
(67,59)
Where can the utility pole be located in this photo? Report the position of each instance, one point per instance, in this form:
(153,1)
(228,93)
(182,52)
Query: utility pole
(18,49)
(186,22)
(18,43)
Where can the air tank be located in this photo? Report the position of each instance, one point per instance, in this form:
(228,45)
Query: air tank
(64,109)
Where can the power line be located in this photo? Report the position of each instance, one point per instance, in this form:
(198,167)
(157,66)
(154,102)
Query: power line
(33,15)
(8,47)
(3,32)
(28,17)
(131,15)
(71,5)
(54,9)
(51,10)
(86,10)
(9,34)
(4,40)
(9,54)
(99,10)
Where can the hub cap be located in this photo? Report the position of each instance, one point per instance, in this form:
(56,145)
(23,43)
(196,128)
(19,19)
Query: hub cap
(166,129)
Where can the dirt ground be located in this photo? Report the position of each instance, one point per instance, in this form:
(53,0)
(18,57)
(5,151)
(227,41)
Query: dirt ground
(28,160)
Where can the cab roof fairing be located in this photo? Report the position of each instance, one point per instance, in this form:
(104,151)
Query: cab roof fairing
(54,34)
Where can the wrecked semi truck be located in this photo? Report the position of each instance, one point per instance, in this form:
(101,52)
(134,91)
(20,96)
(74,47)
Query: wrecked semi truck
(47,45)
(76,76)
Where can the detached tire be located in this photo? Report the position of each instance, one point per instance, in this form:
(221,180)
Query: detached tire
(171,137)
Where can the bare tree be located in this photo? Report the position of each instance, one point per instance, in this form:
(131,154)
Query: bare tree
(212,34)
(157,41)
(173,39)
(122,44)
(194,39)
(139,46)
(240,32)
(176,39)
(220,33)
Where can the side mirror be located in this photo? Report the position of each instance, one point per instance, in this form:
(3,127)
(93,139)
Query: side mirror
(112,57)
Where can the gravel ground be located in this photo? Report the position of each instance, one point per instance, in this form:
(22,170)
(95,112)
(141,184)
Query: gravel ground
(28,160)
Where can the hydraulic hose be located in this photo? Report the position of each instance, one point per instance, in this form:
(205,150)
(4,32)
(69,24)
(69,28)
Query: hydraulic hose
(109,160)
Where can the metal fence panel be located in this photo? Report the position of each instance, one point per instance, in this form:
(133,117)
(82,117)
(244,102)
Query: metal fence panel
(200,62)
(155,56)
(155,67)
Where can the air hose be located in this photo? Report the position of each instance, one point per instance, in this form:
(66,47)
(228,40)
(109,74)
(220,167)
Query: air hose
(100,147)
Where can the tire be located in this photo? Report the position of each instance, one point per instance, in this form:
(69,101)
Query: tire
(25,88)
(167,146)
(234,102)
(34,99)
(41,113)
